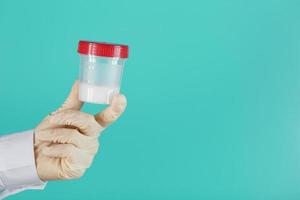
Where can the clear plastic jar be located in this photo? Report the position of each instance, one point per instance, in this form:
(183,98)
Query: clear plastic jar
(101,69)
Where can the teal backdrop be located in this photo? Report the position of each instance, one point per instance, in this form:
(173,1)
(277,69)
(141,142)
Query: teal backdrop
(213,92)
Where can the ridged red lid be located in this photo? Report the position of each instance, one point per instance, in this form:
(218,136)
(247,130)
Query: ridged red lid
(102,49)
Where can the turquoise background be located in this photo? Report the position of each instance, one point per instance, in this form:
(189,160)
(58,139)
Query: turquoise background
(213,93)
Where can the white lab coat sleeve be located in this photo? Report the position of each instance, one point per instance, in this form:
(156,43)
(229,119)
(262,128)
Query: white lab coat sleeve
(17,164)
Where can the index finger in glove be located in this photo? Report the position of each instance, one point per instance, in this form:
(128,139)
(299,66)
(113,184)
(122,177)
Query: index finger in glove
(72,102)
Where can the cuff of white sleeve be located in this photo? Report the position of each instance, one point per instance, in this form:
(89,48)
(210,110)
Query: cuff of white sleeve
(17,164)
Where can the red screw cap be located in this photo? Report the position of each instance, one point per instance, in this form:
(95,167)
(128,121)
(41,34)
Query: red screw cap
(103,49)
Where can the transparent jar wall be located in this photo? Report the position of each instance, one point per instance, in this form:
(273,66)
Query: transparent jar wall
(100,78)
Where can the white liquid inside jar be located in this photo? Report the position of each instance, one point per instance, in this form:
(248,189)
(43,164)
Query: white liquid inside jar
(97,94)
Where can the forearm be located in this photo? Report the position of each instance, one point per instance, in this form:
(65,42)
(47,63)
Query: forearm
(17,164)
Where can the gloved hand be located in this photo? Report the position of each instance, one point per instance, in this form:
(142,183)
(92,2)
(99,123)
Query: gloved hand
(66,141)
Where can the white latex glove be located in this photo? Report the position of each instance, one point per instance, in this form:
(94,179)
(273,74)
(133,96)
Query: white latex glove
(66,141)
